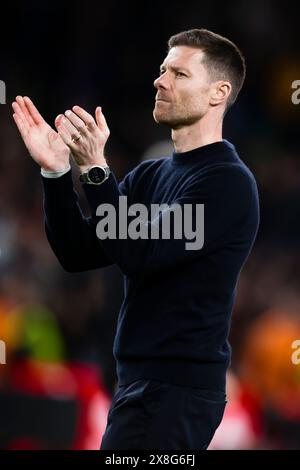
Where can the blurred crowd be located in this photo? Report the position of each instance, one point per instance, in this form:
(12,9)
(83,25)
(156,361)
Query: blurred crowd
(59,376)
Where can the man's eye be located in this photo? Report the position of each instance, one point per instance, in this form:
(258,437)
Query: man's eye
(180,74)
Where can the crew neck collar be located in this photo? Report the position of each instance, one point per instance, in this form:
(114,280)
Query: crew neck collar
(200,154)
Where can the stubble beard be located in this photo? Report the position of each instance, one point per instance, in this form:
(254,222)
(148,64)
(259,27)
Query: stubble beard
(175,119)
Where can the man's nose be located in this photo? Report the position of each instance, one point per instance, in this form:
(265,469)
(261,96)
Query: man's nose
(161,82)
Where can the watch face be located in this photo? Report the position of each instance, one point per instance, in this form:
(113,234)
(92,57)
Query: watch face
(96,175)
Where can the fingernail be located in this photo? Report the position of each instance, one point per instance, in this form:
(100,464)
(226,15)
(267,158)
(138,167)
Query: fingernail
(67,113)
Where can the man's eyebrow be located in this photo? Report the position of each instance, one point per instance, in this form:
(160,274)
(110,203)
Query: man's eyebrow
(173,68)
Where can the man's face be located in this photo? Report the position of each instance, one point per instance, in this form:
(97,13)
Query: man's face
(183,88)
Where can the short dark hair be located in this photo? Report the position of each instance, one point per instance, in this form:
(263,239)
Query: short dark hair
(223,58)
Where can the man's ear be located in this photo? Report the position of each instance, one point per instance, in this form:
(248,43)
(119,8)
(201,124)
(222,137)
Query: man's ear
(220,92)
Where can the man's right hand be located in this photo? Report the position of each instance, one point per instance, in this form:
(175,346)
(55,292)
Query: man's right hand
(44,144)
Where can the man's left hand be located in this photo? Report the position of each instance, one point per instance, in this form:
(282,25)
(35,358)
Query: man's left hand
(85,136)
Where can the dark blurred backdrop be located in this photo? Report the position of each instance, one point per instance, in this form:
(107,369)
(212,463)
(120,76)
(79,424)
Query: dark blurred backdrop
(59,327)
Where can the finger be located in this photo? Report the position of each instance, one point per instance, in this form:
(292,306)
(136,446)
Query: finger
(73,131)
(17,109)
(22,105)
(67,131)
(76,121)
(58,119)
(32,110)
(64,134)
(20,125)
(20,114)
(86,117)
(101,121)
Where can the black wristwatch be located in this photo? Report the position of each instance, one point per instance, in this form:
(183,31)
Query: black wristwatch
(95,175)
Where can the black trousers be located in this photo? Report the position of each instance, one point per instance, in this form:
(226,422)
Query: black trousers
(149,414)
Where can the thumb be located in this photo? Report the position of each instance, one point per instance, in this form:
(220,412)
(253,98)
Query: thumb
(101,121)
(98,115)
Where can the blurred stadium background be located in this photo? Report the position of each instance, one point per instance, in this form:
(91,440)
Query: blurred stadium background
(56,386)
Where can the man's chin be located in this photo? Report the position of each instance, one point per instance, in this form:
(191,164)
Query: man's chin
(172,121)
(161,118)
(167,121)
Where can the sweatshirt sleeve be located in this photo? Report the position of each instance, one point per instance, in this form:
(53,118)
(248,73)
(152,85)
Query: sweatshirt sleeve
(228,196)
(71,236)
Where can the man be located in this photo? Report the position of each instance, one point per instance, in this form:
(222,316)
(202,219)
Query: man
(171,343)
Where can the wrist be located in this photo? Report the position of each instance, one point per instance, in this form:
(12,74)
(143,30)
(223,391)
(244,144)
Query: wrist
(55,169)
(86,167)
(54,174)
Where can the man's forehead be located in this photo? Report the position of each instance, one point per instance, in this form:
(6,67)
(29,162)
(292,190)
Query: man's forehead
(183,55)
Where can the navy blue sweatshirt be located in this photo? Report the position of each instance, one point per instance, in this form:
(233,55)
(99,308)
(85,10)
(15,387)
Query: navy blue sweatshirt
(174,321)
